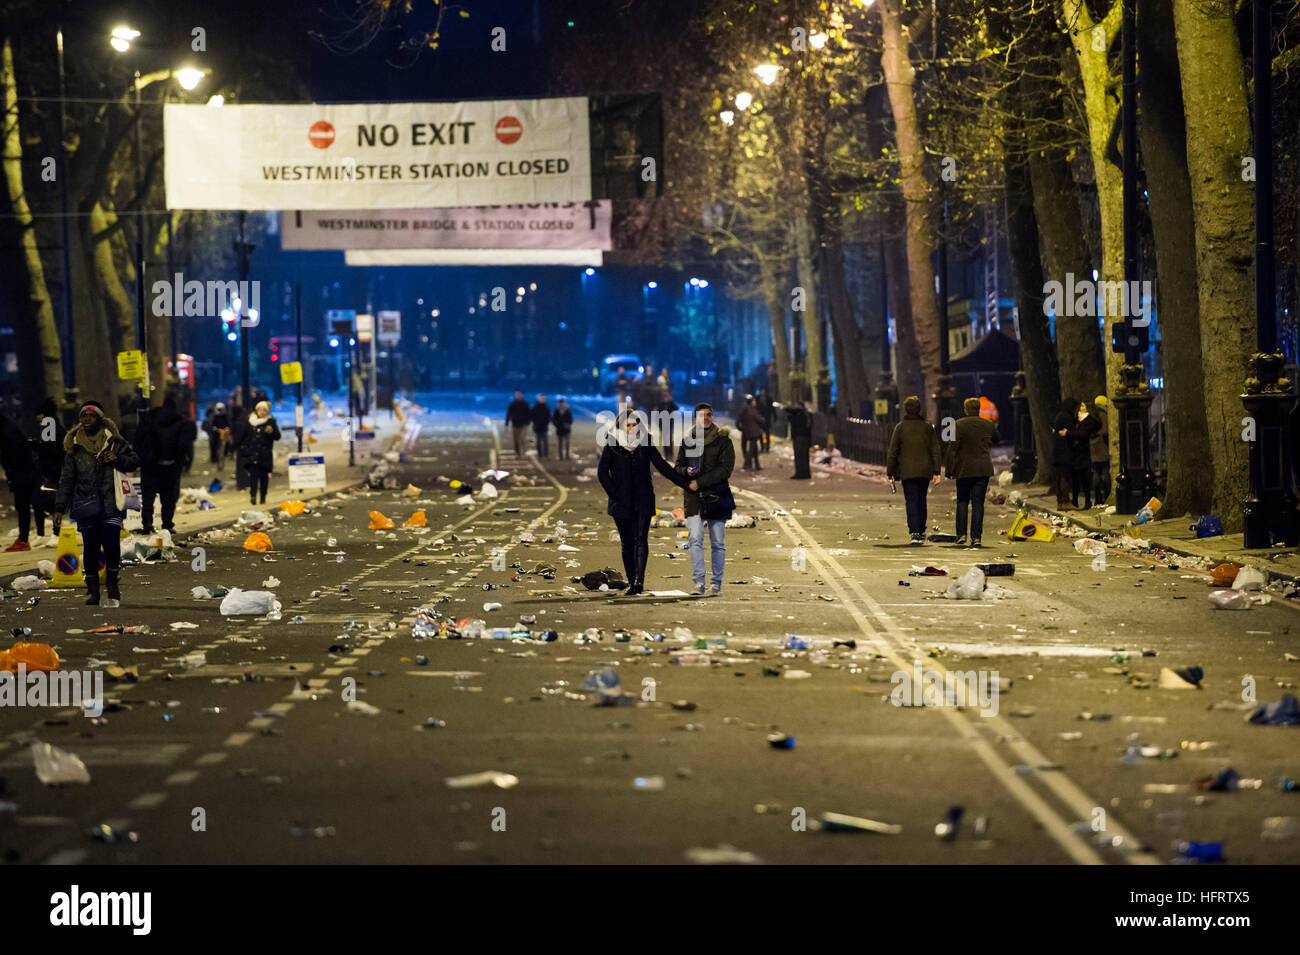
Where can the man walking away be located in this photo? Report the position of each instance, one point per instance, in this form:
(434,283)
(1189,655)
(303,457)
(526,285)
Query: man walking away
(707,458)
(914,459)
(751,433)
(563,419)
(518,417)
(161,447)
(541,415)
(1062,459)
(971,464)
(801,437)
(1099,451)
(21,471)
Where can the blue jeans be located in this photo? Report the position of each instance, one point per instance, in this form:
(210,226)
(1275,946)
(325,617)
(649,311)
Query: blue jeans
(718,546)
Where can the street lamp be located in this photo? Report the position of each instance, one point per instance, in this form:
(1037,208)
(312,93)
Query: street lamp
(743,100)
(122,37)
(727,116)
(768,72)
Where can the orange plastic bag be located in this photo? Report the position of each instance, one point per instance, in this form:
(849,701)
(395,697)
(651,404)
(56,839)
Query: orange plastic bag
(293,507)
(1223,575)
(416,520)
(36,656)
(379,523)
(258,541)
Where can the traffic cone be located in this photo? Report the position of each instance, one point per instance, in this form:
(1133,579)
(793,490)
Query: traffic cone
(416,520)
(67,560)
(1023,529)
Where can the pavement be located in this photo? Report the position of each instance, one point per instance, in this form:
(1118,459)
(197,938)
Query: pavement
(256,753)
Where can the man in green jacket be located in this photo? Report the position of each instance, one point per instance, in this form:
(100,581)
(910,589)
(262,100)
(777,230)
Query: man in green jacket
(707,457)
(971,464)
(914,460)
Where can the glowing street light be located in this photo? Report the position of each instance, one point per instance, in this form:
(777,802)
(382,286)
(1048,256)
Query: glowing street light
(727,117)
(652,285)
(743,100)
(591,271)
(189,77)
(768,73)
(122,37)
(817,40)
(217,100)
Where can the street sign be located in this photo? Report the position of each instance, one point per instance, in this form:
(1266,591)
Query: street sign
(291,372)
(306,471)
(365,327)
(130,365)
(882,407)
(390,328)
(365,445)
(341,315)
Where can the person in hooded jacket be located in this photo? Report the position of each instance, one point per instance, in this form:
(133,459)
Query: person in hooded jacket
(624,473)
(93,452)
(914,459)
(162,448)
(256,452)
(23,474)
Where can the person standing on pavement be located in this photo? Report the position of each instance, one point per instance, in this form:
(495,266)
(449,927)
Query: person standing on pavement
(93,452)
(624,473)
(256,451)
(706,458)
(971,464)
(563,419)
(1080,438)
(48,445)
(161,448)
(765,409)
(1099,451)
(751,433)
(541,418)
(801,423)
(23,474)
(519,417)
(1062,457)
(914,460)
(217,428)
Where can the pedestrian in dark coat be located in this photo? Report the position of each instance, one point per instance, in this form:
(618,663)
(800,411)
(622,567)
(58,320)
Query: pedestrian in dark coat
(1099,451)
(624,473)
(563,419)
(914,459)
(751,433)
(1082,432)
(801,425)
(519,417)
(255,454)
(162,448)
(541,418)
(49,444)
(765,409)
(22,471)
(93,453)
(1062,456)
(971,464)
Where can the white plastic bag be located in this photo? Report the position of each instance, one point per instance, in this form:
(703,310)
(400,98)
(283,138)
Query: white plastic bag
(201,593)
(28,582)
(45,568)
(249,602)
(1230,600)
(255,520)
(54,765)
(969,586)
(1249,578)
(488,491)
(1090,546)
(1004,479)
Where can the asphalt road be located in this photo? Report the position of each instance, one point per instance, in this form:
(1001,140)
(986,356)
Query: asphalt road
(206,766)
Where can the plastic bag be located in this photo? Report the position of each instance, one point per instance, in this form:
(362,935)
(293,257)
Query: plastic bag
(54,765)
(1207,525)
(1249,578)
(35,656)
(378,522)
(418,519)
(1223,575)
(969,586)
(201,593)
(488,491)
(249,602)
(259,542)
(293,507)
(1004,479)
(256,519)
(1090,546)
(1230,600)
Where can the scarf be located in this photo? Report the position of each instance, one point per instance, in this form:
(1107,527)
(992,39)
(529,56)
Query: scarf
(630,442)
(94,444)
(708,434)
(255,421)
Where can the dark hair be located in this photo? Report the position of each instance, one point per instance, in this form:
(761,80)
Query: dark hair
(912,406)
(971,406)
(703,406)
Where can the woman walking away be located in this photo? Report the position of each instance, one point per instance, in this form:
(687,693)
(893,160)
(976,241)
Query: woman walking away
(914,459)
(93,452)
(970,462)
(624,473)
(256,450)
(23,474)
(1080,440)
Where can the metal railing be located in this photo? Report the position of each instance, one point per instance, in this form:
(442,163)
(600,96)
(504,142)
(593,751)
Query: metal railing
(856,439)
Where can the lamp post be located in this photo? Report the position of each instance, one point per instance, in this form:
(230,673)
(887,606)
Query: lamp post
(69,352)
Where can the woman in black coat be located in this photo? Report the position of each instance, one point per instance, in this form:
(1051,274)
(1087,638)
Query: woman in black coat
(255,455)
(624,473)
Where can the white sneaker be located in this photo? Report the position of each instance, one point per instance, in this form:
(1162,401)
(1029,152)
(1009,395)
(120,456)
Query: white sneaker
(699,591)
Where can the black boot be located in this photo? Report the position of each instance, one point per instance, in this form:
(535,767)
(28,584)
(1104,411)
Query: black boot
(92,590)
(114,592)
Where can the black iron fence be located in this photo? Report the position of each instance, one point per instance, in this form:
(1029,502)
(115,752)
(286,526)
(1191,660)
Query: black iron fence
(856,439)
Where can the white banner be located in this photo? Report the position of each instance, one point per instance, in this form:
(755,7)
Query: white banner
(473,257)
(377,155)
(552,225)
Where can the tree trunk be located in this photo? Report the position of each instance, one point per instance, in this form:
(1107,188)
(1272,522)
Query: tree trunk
(776,318)
(899,76)
(119,314)
(39,304)
(814,366)
(1037,356)
(1218,135)
(1164,156)
(850,369)
(1101,107)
